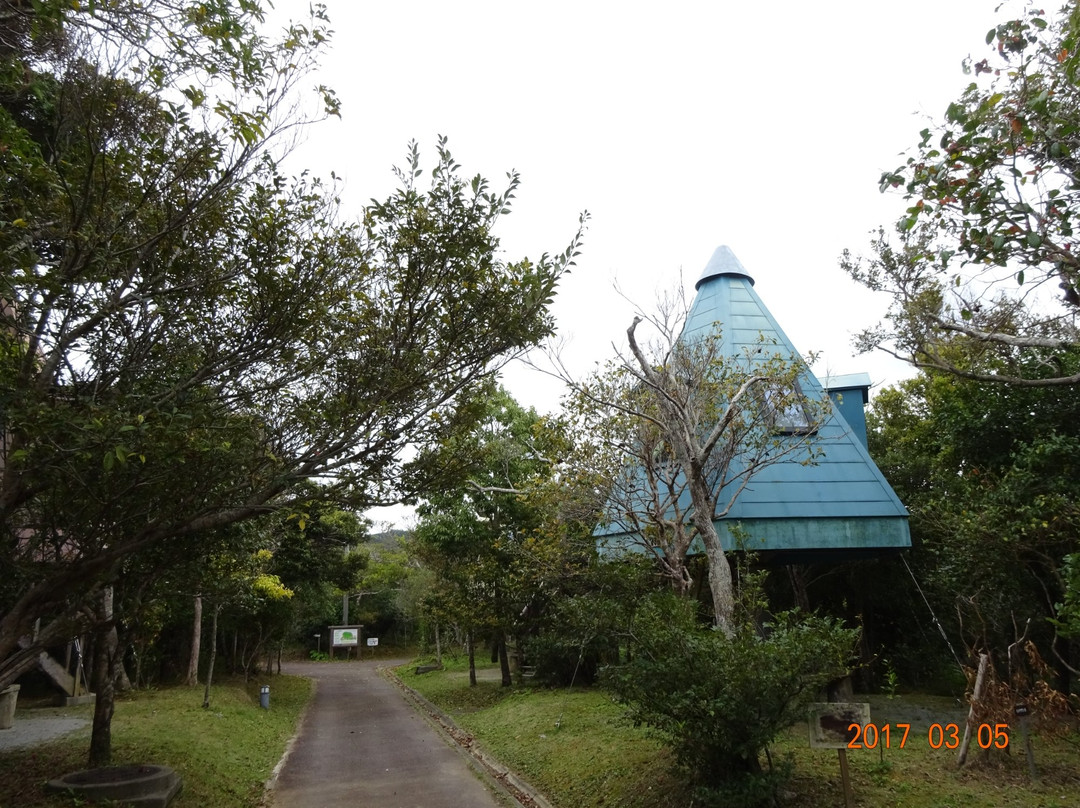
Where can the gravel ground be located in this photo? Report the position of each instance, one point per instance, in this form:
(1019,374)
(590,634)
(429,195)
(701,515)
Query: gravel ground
(36,727)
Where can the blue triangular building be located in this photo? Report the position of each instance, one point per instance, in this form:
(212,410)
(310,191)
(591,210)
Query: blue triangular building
(839,507)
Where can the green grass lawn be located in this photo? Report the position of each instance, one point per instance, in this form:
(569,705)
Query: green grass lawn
(572,745)
(224,754)
(578,750)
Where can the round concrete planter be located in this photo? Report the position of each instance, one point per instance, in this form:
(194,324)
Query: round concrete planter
(143,786)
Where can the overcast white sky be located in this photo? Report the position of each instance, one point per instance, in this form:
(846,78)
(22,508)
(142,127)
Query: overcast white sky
(679,126)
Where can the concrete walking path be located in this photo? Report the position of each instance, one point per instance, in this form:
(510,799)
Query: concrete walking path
(362,744)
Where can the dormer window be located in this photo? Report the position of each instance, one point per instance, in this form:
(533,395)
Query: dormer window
(786,410)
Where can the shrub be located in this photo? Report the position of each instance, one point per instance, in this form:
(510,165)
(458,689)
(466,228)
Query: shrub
(720,701)
(563,660)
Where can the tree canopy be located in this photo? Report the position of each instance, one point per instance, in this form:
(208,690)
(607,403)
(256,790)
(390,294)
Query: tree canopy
(491,538)
(988,474)
(188,334)
(988,248)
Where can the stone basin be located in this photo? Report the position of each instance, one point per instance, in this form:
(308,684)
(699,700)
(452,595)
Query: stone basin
(146,786)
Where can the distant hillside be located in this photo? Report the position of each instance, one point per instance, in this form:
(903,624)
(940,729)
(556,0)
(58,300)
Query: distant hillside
(389,539)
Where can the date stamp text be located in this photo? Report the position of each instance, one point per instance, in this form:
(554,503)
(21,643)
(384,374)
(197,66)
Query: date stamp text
(948,736)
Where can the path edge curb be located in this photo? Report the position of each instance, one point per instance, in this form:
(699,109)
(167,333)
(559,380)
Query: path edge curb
(514,786)
(271,782)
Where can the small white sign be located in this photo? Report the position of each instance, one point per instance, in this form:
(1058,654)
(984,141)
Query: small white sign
(372,641)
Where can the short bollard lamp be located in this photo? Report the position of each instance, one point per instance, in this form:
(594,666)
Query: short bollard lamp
(264,697)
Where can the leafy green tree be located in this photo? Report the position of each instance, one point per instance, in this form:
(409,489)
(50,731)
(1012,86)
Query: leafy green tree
(156,594)
(988,246)
(590,618)
(312,553)
(1068,611)
(187,335)
(411,600)
(485,538)
(243,585)
(114,192)
(380,606)
(310,546)
(987,472)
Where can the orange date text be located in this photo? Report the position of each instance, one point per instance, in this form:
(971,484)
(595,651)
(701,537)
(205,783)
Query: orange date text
(895,736)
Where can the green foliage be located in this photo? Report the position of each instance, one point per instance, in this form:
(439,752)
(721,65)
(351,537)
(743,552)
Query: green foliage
(988,245)
(563,660)
(188,336)
(493,540)
(988,473)
(313,545)
(891,680)
(1067,619)
(577,749)
(720,701)
(585,627)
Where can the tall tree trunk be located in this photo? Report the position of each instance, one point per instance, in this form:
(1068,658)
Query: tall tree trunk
(196,644)
(213,656)
(692,456)
(139,651)
(723,589)
(438,644)
(123,681)
(981,681)
(103,683)
(472,659)
(504,661)
(720,580)
(799,590)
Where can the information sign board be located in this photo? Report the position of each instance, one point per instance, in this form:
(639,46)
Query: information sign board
(344,636)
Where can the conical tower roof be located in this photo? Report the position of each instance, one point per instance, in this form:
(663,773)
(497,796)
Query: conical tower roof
(841,503)
(723,263)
